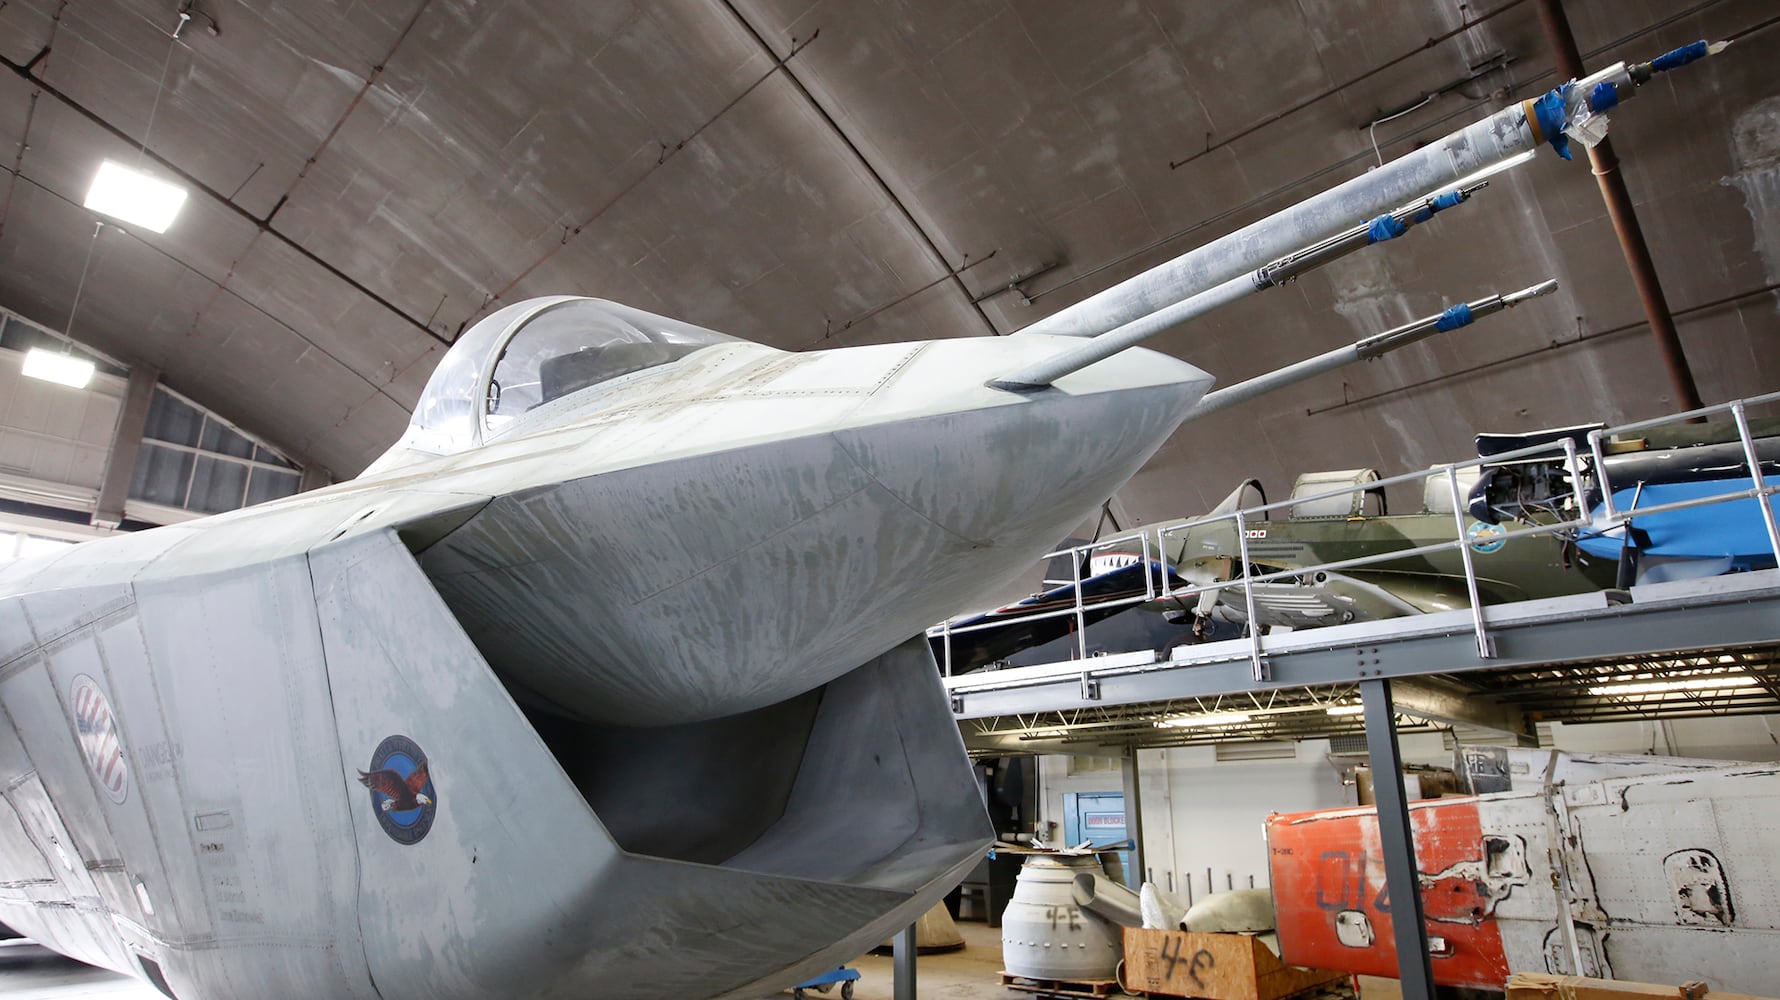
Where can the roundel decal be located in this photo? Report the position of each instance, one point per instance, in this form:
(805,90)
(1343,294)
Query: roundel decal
(402,795)
(97,734)
(1486,538)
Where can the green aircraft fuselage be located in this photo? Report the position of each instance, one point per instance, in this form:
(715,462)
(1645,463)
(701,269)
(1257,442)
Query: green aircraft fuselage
(1507,568)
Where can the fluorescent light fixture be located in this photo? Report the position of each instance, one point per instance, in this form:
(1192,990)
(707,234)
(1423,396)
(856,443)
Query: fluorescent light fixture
(1346,709)
(1710,682)
(54,366)
(1490,171)
(1214,719)
(132,196)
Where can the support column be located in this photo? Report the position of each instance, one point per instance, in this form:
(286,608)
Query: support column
(126,442)
(1625,220)
(1133,818)
(902,963)
(1409,930)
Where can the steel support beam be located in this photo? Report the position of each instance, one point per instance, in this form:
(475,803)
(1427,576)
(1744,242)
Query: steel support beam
(1133,818)
(1439,700)
(126,442)
(314,478)
(902,963)
(1396,840)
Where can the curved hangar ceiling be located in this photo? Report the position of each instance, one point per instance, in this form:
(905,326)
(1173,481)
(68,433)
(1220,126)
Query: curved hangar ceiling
(367,179)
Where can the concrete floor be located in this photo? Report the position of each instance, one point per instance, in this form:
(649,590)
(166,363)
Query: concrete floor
(31,972)
(972,972)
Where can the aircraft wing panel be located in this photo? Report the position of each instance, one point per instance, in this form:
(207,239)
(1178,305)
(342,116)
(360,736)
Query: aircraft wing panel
(1733,530)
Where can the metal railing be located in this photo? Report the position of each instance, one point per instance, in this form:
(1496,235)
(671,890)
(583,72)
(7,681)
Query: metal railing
(1581,522)
(1079,555)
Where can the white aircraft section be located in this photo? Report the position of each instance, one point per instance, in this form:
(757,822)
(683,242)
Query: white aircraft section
(602,676)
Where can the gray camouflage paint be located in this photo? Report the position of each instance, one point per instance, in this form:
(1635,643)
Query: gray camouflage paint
(736,530)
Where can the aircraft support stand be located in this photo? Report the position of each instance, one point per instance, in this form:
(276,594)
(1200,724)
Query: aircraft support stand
(1410,930)
(902,963)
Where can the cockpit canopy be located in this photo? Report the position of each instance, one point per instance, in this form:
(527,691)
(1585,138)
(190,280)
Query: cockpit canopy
(532,353)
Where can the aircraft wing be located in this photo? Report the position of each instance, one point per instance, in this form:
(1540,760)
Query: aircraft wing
(1338,598)
(980,639)
(1733,530)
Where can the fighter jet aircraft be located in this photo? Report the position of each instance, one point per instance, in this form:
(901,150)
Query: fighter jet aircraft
(475,723)
(600,682)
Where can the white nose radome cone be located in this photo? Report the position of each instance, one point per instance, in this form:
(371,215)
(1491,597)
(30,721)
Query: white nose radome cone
(999,466)
(745,574)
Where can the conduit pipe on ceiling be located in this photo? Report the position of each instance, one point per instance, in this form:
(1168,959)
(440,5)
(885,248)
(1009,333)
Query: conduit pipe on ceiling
(1625,220)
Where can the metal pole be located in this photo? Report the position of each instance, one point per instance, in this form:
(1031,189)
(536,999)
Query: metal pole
(1257,664)
(1364,350)
(1486,648)
(902,963)
(1599,455)
(1624,218)
(1133,818)
(1409,930)
(1081,618)
(1761,484)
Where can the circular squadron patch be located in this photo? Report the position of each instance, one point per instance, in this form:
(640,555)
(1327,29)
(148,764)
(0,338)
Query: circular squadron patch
(1486,538)
(97,733)
(402,794)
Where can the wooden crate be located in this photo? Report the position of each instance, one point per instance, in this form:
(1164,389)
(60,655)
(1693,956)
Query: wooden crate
(1544,986)
(1212,966)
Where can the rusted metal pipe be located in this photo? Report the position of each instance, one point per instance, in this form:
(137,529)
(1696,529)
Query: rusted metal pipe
(1625,220)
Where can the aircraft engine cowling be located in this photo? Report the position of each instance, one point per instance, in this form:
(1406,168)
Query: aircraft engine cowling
(725,858)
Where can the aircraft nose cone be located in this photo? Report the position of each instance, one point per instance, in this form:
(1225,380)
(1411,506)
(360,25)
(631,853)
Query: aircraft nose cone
(736,578)
(1013,470)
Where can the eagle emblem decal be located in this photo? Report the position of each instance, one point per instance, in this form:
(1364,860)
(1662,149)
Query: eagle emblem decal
(402,795)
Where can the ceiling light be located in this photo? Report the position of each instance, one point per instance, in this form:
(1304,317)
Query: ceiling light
(1345,709)
(1214,719)
(132,196)
(1711,682)
(54,366)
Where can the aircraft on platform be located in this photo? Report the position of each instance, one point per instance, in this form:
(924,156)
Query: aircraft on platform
(1311,534)
(1356,525)
(1661,466)
(601,680)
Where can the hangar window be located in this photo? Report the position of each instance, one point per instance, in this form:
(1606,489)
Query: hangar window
(193,460)
(578,343)
(23,545)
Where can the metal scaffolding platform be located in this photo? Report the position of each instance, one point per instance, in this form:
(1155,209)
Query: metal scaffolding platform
(1737,610)
(1678,618)
(1704,626)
